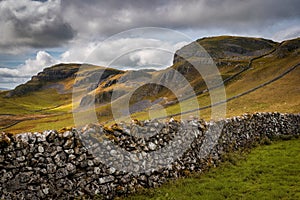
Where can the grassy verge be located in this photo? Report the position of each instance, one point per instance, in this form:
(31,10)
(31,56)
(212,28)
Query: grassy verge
(267,172)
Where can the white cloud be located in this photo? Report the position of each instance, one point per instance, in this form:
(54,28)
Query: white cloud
(42,60)
(286,34)
(25,71)
(133,53)
(6,72)
(122,53)
(78,52)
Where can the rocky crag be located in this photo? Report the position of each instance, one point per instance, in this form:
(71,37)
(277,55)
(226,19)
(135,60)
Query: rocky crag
(69,164)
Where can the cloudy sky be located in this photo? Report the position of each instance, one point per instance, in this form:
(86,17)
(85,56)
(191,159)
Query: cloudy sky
(38,34)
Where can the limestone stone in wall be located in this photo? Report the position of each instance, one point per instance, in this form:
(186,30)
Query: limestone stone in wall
(117,161)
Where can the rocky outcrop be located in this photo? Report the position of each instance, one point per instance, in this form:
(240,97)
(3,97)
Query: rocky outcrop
(288,47)
(51,74)
(96,76)
(101,97)
(88,162)
(135,76)
(224,47)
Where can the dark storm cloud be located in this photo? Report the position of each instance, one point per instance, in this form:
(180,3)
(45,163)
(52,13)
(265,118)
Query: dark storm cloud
(75,26)
(109,17)
(41,24)
(26,24)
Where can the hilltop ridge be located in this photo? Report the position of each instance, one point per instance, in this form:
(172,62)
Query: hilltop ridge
(245,65)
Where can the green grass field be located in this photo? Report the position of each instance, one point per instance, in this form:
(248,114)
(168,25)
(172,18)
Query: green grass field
(267,172)
(49,109)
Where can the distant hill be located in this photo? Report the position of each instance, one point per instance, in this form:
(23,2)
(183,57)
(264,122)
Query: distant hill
(48,75)
(258,75)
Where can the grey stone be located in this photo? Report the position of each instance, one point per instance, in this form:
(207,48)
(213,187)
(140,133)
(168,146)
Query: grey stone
(90,163)
(71,168)
(67,134)
(69,143)
(66,169)
(113,152)
(21,159)
(61,173)
(72,157)
(40,137)
(59,148)
(69,151)
(82,157)
(45,190)
(51,168)
(112,170)
(106,179)
(41,149)
(152,146)
(134,158)
(97,170)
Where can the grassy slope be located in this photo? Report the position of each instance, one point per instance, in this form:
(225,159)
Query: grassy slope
(267,172)
(55,107)
(31,103)
(286,100)
(282,96)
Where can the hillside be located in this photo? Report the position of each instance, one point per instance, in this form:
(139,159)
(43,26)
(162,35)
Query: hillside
(45,78)
(242,176)
(254,71)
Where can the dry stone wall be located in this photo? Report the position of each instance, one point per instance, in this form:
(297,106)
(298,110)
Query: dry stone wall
(88,162)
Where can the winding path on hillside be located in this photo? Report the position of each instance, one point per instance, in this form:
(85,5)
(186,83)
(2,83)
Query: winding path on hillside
(230,78)
(241,94)
(225,81)
(201,92)
(16,119)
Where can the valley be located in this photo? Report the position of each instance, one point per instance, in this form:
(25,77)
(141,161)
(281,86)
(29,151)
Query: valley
(259,76)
